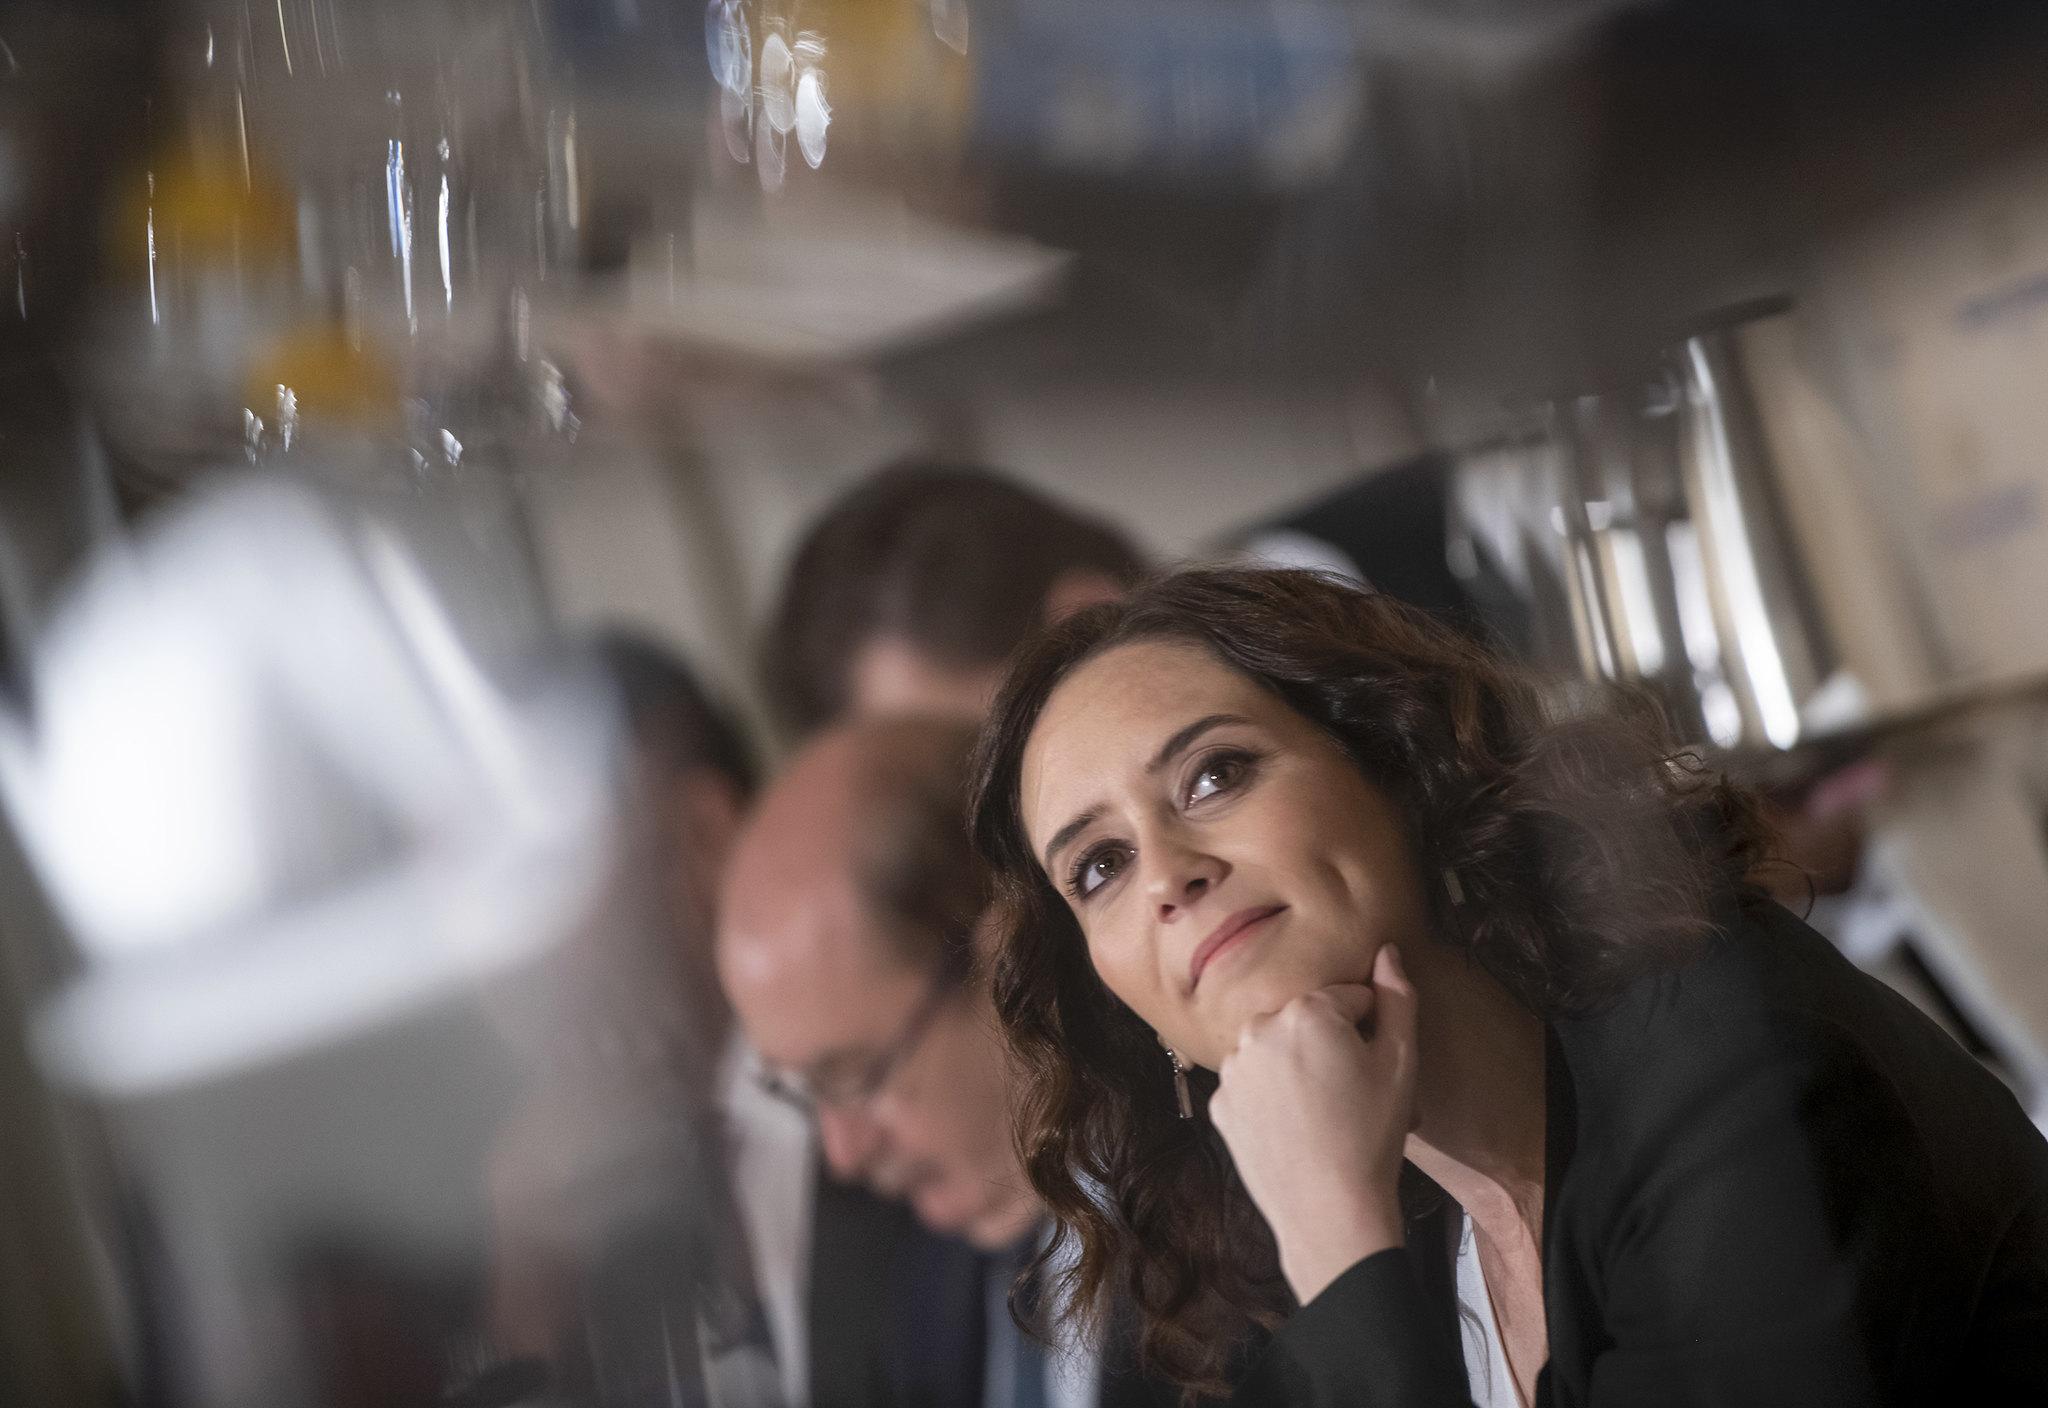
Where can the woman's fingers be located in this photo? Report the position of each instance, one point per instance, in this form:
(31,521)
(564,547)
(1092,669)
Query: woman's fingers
(1315,1116)
(1395,996)
(1396,1029)
(1353,1001)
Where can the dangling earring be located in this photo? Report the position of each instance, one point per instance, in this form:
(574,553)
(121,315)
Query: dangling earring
(1180,1082)
(1453,888)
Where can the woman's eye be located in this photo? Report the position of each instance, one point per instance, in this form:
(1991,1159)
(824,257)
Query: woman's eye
(1217,775)
(1097,869)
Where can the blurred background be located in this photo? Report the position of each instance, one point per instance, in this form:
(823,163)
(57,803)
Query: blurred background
(355,355)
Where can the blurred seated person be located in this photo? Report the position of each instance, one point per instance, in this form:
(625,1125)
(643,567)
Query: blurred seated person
(817,1249)
(911,591)
(636,1128)
(847,943)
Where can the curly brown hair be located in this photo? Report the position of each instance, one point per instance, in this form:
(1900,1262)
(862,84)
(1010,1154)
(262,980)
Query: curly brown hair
(1587,849)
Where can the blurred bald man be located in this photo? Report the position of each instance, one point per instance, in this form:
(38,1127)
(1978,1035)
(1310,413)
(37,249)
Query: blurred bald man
(846,944)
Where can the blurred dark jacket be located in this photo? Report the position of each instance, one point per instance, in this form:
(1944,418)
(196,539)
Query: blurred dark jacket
(899,1314)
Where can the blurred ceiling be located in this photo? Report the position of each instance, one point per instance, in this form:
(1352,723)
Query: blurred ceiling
(1532,190)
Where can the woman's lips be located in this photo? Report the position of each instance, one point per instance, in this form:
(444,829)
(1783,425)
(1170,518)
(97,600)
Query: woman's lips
(1233,928)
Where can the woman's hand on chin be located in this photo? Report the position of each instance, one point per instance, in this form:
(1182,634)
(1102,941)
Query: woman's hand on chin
(1316,1115)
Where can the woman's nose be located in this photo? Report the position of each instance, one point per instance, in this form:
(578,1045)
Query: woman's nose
(1183,876)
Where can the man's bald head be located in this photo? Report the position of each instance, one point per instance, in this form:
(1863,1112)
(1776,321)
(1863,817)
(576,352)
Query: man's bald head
(861,839)
(844,944)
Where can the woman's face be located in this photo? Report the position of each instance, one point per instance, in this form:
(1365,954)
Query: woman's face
(1220,853)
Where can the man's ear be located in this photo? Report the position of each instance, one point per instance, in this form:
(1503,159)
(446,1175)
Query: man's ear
(1077,588)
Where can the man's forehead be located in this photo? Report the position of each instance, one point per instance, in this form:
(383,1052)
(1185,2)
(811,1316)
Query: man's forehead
(816,941)
(809,991)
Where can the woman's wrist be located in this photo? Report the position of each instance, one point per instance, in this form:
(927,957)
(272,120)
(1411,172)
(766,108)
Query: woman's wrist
(1317,1256)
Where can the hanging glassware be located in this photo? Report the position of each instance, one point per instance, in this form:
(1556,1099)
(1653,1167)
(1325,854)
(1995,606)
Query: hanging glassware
(344,233)
(900,63)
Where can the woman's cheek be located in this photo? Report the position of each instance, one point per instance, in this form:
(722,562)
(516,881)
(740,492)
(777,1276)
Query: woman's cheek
(1125,972)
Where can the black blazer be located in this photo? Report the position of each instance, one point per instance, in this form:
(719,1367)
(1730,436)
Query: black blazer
(858,1243)
(1770,1180)
(898,1315)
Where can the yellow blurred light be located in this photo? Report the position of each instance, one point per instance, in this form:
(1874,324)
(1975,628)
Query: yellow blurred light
(330,376)
(203,212)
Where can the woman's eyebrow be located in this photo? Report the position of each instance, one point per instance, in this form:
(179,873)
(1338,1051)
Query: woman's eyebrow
(1067,833)
(1180,741)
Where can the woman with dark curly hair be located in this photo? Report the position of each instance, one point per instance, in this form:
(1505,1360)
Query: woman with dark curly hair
(1359,998)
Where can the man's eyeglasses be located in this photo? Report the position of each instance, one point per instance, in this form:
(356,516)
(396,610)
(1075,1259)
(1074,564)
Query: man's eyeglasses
(852,1084)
